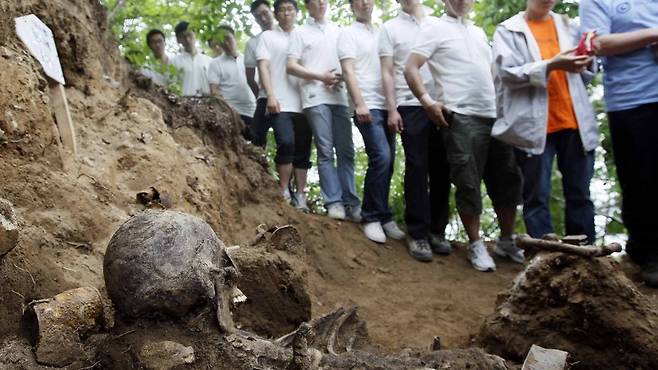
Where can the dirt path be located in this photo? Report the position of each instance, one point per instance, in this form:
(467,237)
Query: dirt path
(406,303)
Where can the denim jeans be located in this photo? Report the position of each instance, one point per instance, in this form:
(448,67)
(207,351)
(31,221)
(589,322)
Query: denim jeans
(332,129)
(427,208)
(380,148)
(260,124)
(293,139)
(634,132)
(576,167)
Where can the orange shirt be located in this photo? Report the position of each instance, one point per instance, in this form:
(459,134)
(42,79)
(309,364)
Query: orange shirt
(561,115)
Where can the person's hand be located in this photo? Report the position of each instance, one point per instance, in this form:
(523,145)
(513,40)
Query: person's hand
(331,78)
(273,106)
(363,114)
(569,62)
(435,113)
(394,121)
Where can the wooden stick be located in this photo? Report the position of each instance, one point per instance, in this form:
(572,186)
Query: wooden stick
(526,242)
(63,116)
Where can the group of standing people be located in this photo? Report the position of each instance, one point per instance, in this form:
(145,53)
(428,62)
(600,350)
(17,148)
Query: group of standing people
(467,112)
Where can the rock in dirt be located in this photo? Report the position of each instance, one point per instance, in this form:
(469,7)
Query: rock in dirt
(545,359)
(56,324)
(278,299)
(587,307)
(165,355)
(8,227)
(168,263)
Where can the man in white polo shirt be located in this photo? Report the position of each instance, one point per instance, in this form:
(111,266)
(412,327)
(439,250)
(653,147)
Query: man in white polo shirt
(291,131)
(359,59)
(192,64)
(260,10)
(312,57)
(460,63)
(227,78)
(426,212)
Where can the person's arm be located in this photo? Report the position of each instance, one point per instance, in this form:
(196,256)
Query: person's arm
(273,106)
(294,68)
(329,78)
(433,108)
(388,82)
(361,109)
(250,72)
(214,90)
(516,73)
(622,43)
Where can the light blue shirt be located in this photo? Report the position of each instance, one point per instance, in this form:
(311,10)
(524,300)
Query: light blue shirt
(630,79)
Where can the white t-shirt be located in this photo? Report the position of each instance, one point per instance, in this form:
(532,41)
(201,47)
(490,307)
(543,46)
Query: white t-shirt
(157,77)
(229,73)
(273,46)
(359,42)
(314,44)
(396,39)
(460,62)
(195,72)
(250,60)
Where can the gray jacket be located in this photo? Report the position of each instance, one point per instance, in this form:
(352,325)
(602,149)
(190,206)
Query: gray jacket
(521,86)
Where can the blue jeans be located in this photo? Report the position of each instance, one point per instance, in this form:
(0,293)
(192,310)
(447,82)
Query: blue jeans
(576,167)
(332,129)
(380,147)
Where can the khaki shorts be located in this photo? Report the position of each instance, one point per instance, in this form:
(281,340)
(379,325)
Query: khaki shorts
(475,156)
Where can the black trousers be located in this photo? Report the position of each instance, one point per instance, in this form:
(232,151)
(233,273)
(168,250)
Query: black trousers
(634,135)
(260,124)
(426,176)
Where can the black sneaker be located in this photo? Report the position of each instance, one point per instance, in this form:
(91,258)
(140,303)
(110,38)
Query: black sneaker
(420,250)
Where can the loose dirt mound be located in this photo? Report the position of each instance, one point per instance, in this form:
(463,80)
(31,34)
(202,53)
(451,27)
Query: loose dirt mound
(587,307)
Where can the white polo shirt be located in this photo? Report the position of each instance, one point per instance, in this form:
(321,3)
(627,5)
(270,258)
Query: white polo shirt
(229,73)
(314,44)
(250,60)
(273,46)
(195,72)
(397,37)
(460,62)
(358,41)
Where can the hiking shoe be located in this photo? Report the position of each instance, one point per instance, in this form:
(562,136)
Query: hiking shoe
(506,247)
(353,213)
(479,257)
(374,232)
(299,201)
(420,250)
(286,195)
(336,211)
(650,274)
(439,244)
(392,230)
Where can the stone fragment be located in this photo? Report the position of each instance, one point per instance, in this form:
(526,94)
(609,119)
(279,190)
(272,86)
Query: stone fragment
(8,227)
(540,358)
(165,355)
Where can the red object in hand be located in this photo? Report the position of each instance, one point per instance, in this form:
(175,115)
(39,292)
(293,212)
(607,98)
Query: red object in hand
(585,45)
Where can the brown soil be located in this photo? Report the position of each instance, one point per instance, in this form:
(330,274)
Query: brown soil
(588,308)
(189,149)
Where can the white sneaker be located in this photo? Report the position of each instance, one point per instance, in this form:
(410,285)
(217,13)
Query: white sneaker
(506,247)
(374,232)
(392,230)
(286,195)
(336,211)
(354,213)
(300,202)
(479,257)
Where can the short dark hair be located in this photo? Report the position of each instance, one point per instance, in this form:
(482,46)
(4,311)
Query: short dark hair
(258,3)
(152,33)
(226,28)
(278,3)
(181,27)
